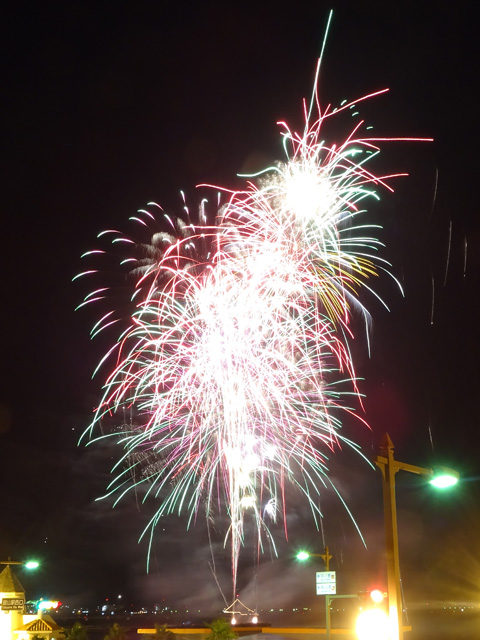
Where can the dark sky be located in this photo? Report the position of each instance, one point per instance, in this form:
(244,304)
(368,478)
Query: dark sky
(108,106)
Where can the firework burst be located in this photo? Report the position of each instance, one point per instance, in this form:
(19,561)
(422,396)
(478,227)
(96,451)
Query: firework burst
(233,344)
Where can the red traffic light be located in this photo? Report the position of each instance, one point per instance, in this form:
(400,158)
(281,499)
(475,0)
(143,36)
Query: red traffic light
(373,596)
(377,596)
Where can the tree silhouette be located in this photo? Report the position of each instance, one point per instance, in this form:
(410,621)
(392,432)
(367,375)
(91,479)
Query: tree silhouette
(220,630)
(77,632)
(116,632)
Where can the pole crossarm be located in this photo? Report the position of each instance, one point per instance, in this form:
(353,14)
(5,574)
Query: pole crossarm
(326,557)
(403,466)
(429,472)
(335,597)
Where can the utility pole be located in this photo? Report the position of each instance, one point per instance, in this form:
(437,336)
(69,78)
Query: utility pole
(440,477)
(386,463)
(326,557)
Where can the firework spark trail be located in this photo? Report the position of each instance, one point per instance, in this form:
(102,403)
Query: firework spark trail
(447,263)
(236,355)
(432,309)
(231,379)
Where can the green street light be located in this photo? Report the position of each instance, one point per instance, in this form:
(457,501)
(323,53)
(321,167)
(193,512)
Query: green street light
(444,478)
(29,564)
(326,557)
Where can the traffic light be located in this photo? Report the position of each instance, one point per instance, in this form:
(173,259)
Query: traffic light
(377,596)
(372,598)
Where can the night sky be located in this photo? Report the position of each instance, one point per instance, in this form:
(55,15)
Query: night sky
(108,106)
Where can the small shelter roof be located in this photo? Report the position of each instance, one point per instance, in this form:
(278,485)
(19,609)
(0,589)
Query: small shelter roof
(239,608)
(45,624)
(9,583)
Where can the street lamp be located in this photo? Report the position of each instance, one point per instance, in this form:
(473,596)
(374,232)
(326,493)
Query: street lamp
(443,478)
(29,564)
(326,557)
(440,477)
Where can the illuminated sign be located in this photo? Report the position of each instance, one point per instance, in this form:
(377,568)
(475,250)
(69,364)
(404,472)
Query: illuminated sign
(13,604)
(326,583)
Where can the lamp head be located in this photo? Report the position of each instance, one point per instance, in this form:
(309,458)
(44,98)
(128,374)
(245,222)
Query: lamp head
(443,478)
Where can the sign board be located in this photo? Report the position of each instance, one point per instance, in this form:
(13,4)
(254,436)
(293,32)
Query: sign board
(12,604)
(326,576)
(326,588)
(326,583)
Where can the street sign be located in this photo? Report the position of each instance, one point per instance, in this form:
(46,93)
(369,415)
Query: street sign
(326,588)
(326,583)
(326,576)
(12,604)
